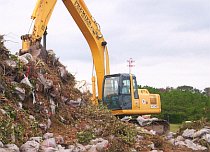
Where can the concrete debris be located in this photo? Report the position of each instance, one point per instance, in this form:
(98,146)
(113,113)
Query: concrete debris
(48,135)
(201,132)
(20,106)
(59,139)
(191,138)
(152,132)
(156,151)
(12,147)
(152,146)
(206,137)
(74,103)
(52,106)
(188,133)
(20,92)
(46,82)
(26,81)
(43,126)
(180,138)
(3,111)
(100,143)
(27,56)
(170,135)
(50,142)
(193,146)
(133,150)
(63,72)
(93,149)
(1,145)
(34,98)
(32,118)
(11,63)
(49,123)
(145,121)
(126,118)
(23,60)
(37,139)
(30,146)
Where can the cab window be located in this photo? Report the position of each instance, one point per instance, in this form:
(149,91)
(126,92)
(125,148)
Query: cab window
(125,86)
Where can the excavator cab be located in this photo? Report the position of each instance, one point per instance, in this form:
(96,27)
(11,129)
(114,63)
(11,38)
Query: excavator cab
(117,92)
(122,96)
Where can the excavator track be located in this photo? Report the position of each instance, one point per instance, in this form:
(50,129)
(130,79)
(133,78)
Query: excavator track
(159,126)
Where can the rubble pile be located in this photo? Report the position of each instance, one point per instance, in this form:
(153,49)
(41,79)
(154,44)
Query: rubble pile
(41,110)
(194,135)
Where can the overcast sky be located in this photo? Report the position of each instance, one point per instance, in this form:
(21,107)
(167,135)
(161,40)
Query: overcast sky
(168,39)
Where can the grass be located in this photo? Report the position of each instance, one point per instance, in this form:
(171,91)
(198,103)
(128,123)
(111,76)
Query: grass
(174,127)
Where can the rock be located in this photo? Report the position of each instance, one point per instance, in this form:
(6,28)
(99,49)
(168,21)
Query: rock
(201,132)
(49,149)
(23,60)
(49,123)
(172,141)
(95,141)
(133,150)
(206,137)
(145,121)
(188,133)
(46,82)
(126,118)
(79,148)
(12,148)
(48,143)
(20,106)
(20,92)
(26,81)
(102,145)
(63,72)
(30,146)
(48,135)
(152,132)
(59,139)
(27,56)
(4,150)
(74,103)
(180,143)
(152,146)
(170,135)
(11,63)
(1,145)
(93,149)
(87,147)
(32,118)
(156,151)
(52,106)
(194,146)
(43,126)
(37,139)
(3,111)
(71,147)
(179,138)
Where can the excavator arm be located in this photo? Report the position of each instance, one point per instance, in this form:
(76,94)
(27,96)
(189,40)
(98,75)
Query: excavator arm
(93,36)
(86,23)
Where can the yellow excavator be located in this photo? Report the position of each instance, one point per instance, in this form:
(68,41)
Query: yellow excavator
(118,91)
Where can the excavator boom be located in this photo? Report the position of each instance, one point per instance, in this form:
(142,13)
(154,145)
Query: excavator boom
(86,23)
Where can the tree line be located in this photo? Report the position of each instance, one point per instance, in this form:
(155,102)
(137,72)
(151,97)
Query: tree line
(183,103)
